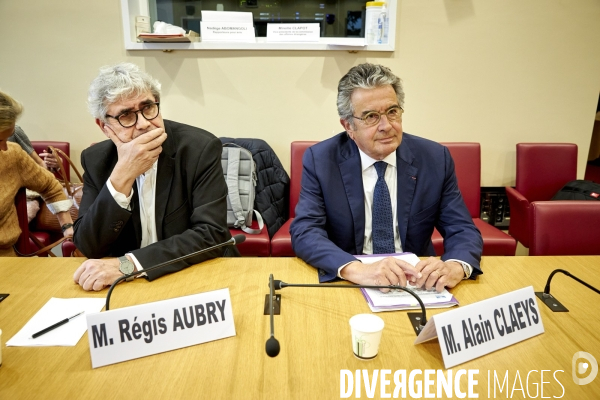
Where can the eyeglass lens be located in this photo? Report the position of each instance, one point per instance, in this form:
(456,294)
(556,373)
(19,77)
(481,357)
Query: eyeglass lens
(393,114)
(149,111)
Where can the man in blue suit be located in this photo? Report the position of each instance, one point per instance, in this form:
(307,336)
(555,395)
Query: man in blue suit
(376,190)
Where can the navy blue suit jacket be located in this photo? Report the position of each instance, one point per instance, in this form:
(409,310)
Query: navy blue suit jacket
(329,225)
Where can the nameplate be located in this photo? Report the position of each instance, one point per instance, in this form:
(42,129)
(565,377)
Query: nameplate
(472,331)
(139,331)
(293,32)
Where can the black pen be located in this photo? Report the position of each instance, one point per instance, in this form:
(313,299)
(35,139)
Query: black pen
(56,325)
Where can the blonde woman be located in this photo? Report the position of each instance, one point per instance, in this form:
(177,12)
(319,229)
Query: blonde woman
(19,170)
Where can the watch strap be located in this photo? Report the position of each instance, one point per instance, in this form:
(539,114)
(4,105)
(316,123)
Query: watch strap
(66,226)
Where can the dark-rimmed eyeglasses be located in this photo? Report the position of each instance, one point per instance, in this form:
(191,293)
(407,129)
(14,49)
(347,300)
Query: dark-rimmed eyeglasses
(373,117)
(130,118)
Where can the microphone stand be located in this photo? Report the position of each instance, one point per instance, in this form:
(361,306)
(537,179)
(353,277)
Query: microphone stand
(237,239)
(418,320)
(550,300)
(272,346)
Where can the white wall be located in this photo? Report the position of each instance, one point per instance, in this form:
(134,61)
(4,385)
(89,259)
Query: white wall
(497,72)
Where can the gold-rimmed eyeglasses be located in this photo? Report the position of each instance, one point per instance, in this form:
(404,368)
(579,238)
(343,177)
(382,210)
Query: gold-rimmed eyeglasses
(373,117)
(128,119)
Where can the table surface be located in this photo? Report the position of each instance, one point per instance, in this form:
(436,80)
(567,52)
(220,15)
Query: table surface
(313,331)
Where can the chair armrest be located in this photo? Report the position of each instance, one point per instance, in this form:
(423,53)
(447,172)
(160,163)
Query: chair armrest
(519,216)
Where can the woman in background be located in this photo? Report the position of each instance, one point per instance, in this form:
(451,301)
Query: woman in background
(18,170)
(49,161)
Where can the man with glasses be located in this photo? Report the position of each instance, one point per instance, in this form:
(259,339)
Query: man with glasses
(376,190)
(152,193)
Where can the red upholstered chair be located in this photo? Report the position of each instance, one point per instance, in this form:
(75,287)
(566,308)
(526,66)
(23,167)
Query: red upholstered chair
(542,170)
(559,228)
(255,245)
(41,145)
(68,248)
(26,244)
(467,162)
(281,243)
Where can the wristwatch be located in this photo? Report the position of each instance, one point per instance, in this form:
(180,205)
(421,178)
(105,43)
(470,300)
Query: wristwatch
(466,270)
(64,227)
(126,267)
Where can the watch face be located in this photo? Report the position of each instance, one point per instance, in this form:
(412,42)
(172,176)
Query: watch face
(126,266)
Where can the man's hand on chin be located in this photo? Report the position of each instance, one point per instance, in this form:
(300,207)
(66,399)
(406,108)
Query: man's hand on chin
(97,274)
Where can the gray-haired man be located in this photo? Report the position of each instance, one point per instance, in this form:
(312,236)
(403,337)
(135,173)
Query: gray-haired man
(376,190)
(154,192)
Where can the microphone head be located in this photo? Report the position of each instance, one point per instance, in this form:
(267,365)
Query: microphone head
(277,284)
(272,347)
(239,238)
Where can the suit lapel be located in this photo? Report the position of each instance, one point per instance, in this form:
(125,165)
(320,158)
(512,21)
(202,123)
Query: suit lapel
(407,183)
(351,172)
(164,178)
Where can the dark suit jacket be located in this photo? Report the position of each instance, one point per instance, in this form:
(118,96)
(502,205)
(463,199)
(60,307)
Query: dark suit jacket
(330,216)
(191,203)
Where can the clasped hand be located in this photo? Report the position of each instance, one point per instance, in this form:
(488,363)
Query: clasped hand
(391,271)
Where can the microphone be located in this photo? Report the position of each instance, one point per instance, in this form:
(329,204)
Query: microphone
(418,320)
(272,345)
(237,239)
(550,300)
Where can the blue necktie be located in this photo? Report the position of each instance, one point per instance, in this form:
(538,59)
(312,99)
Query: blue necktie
(383,220)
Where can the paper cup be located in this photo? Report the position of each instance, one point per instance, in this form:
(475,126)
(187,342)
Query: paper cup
(366,334)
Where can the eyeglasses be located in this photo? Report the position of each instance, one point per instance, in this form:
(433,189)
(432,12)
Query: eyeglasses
(130,118)
(373,117)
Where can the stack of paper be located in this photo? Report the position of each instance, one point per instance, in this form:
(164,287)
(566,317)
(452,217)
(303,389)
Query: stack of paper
(399,299)
(191,36)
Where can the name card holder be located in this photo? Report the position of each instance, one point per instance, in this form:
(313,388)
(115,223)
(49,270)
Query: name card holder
(472,331)
(138,331)
(293,32)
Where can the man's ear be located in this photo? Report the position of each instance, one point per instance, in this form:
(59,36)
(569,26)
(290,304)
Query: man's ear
(347,127)
(102,126)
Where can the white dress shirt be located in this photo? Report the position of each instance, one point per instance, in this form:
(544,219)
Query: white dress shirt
(146,184)
(369,177)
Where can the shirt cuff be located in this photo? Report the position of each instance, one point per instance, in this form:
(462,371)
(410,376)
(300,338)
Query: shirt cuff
(137,264)
(119,197)
(466,267)
(60,206)
(339,274)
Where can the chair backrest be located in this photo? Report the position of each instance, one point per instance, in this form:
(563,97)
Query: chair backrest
(544,168)
(41,145)
(467,163)
(564,228)
(297,152)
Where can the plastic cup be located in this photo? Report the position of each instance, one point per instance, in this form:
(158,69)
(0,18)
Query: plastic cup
(366,332)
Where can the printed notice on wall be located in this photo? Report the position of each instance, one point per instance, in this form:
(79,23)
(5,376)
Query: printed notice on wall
(293,32)
(227,26)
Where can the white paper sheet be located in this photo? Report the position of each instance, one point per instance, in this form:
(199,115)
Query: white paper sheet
(52,312)
(400,300)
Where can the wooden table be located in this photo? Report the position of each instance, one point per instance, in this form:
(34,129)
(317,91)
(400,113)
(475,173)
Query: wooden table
(313,331)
